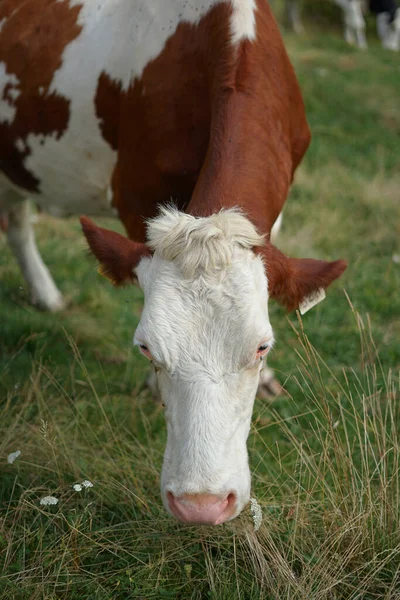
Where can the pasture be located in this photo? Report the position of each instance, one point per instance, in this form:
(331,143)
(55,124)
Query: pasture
(324,455)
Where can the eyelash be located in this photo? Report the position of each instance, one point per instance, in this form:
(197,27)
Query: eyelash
(263,350)
(145,351)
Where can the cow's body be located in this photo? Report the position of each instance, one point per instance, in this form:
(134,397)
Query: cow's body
(65,158)
(106,109)
(387,13)
(118,106)
(127,95)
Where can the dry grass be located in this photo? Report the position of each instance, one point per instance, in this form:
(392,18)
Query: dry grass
(330,496)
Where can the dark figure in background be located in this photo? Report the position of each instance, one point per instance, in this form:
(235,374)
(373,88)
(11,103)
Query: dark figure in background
(387,20)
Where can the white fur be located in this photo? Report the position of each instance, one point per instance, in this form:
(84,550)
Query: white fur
(20,144)
(14,93)
(389,33)
(7,110)
(201,246)
(276,228)
(203,321)
(20,235)
(243,24)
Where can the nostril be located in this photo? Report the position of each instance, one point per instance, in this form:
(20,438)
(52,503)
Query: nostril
(231,499)
(230,505)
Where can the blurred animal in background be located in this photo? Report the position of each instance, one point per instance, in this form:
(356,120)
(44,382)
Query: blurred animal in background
(387,20)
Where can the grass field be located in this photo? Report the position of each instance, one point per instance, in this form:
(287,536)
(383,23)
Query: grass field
(325,455)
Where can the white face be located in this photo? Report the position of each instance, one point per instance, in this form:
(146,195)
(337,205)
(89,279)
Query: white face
(207,338)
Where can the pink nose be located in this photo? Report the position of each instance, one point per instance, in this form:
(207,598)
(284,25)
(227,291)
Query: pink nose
(202,509)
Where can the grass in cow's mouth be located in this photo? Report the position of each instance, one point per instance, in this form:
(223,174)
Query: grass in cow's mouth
(324,457)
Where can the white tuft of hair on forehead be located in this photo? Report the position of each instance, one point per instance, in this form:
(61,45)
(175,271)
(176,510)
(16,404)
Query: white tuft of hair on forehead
(201,245)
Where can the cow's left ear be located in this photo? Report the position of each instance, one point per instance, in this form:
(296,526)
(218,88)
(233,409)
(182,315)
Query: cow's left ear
(118,256)
(292,281)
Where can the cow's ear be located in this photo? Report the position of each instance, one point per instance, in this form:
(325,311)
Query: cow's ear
(118,256)
(293,281)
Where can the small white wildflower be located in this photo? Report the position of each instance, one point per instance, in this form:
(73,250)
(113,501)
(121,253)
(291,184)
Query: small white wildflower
(13,457)
(86,483)
(48,500)
(256,512)
(77,487)
(321,71)
(396,258)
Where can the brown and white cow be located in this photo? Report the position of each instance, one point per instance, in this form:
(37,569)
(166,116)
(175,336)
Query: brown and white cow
(116,107)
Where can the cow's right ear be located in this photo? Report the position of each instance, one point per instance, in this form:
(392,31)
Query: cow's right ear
(118,256)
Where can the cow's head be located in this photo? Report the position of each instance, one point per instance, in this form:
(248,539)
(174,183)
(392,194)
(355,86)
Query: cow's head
(205,328)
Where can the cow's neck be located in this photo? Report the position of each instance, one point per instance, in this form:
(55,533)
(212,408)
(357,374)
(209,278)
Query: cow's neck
(258,135)
(234,114)
(246,166)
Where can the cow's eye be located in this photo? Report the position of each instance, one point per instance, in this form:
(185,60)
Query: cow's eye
(144,350)
(263,350)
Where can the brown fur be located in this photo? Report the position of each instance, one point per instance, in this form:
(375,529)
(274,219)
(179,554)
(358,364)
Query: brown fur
(117,255)
(108,108)
(162,134)
(32,41)
(214,128)
(7,7)
(290,280)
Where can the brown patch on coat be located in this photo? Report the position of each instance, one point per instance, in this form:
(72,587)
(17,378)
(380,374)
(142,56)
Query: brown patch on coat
(259,131)
(161,125)
(108,108)
(207,125)
(32,42)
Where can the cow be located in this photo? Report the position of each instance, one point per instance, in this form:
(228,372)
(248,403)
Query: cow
(183,118)
(387,20)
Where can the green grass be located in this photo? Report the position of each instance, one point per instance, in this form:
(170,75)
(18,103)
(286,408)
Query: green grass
(324,456)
